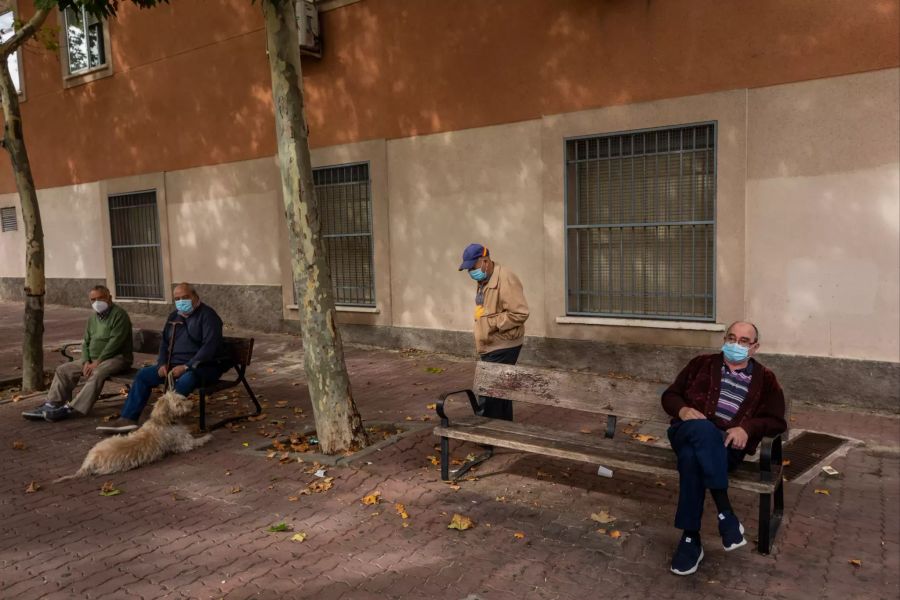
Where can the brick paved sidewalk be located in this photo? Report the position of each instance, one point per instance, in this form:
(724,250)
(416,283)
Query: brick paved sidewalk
(193,526)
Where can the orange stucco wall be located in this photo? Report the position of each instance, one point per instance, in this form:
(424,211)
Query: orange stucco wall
(191,83)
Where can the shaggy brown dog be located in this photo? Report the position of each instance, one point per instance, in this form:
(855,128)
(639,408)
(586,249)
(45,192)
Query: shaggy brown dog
(155,439)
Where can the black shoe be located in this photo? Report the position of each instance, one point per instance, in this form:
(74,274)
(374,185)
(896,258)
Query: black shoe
(732,531)
(37,414)
(120,425)
(687,556)
(60,413)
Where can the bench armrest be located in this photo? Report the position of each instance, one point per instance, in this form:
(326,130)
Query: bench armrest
(66,349)
(770,455)
(439,406)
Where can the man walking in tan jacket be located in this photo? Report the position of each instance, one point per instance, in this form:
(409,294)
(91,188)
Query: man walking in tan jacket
(500,315)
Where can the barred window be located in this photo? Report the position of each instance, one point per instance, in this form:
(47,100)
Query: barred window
(345,210)
(8,218)
(137,257)
(640,224)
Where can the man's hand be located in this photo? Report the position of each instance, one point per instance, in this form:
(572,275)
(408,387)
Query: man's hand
(178,371)
(88,368)
(737,438)
(162,371)
(688,414)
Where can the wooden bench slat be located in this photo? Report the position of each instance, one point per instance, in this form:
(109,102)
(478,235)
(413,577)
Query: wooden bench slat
(617,453)
(568,389)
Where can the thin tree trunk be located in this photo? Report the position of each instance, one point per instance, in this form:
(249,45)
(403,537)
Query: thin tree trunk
(338,424)
(14,142)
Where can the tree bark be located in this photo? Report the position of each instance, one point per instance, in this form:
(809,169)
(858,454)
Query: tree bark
(338,424)
(14,142)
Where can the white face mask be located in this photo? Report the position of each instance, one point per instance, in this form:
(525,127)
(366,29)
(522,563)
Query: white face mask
(99,306)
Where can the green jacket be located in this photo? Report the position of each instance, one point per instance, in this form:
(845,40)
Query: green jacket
(108,337)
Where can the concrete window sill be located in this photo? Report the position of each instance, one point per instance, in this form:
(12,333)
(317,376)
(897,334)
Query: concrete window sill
(681,325)
(351,309)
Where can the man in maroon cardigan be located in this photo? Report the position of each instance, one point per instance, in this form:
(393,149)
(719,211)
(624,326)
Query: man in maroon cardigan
(721,405)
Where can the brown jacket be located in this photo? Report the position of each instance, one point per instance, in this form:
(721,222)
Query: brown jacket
(505,312)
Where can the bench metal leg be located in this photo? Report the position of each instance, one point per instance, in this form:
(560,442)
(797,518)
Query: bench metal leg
(257,408)
(445,459)
(464,468)
(769,519)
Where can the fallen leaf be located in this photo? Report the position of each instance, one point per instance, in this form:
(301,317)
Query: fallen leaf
(785,462)
(18,445)
(32,487)
(470,457)
(299,537)
(660,484)
(824,492)
(584,430)
(108,489)
(855,562)
(431,406)
(109,418)
(643,437)
(406,523)
(601,531)
(401,510)
(16,398)
(434,370)
(519,535)
(236,489)
(454,487)
(408,418)
(602,517)
(259,417)
(293,498)
(460,522)
(270,370)
(245,444)
(372,498)
(279,528)
(615,534)
(321,485)
(500,499)
(434,460)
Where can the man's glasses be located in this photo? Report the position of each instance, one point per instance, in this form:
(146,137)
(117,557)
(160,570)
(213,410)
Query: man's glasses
(733,339)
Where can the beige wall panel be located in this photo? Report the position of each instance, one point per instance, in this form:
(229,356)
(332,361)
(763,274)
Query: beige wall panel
(73,231)
(728,109)
(823,225)
(448,190)
(12,243)
(223,223)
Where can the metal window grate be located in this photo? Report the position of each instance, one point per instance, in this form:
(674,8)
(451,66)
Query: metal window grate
(640,224)
(137,258)
(345,210)
(8,218)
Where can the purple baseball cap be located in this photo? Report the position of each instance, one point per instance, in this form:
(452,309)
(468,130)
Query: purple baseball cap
(471,255)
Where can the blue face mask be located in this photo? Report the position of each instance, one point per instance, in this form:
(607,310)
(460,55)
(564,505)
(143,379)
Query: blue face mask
(184,306)
(477,274)
(735,353)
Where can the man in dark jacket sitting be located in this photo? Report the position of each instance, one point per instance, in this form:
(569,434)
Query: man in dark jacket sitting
(191,342)
(722,406)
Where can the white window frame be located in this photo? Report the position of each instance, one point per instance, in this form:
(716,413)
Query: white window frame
(19,80)
(91,73)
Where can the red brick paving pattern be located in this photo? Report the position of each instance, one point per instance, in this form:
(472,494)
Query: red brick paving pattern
(178,531)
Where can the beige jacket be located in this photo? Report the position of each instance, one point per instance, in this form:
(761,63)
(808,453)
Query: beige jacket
(505,312)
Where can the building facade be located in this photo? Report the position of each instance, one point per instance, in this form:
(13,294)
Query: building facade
(651,170)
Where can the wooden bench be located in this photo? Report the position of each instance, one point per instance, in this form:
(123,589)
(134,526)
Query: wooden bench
(236,353)
(614,400)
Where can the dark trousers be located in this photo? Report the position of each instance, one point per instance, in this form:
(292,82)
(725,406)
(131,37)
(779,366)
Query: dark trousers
(148,378)
(703,464)
(498,408)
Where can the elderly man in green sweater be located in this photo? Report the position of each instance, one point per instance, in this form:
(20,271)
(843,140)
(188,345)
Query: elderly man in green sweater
(105,351)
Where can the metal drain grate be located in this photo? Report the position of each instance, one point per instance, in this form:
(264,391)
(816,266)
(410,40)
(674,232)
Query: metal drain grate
(806,450)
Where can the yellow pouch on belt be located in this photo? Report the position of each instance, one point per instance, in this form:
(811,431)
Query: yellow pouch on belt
(479,311)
